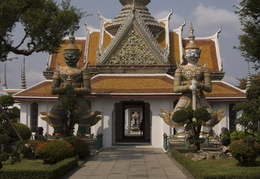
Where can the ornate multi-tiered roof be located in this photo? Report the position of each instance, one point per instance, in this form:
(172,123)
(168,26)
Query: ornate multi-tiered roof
(139,6)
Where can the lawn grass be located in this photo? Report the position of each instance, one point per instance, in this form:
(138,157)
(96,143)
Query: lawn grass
(217,169)
(27,164)
(227,166)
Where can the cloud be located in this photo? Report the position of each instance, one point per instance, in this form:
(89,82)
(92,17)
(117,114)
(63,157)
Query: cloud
(208,19)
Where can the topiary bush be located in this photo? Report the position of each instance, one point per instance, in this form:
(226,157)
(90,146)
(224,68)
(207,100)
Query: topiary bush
(81,147)
(244,153)
(182,116)
(54,151)
(202,114)
(24,131)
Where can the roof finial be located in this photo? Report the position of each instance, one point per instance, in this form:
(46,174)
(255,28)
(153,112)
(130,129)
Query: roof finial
(192,44)
(4,85)
(23,78)
(71,45)
(191,36)
(248,84)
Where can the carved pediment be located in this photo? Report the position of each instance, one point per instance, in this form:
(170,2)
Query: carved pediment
(132,50)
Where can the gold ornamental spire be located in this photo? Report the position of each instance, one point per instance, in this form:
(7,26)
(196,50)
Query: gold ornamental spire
(71,45)
(192,44)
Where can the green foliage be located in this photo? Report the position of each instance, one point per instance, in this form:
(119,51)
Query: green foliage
(80,146)
(251,113)
(6,101)
(249,13)
(22,148)
(4,156)
(202,114)
(255,81)
(236,135)
(216,169)
(54,151)
(44,24)
(34,144)
(182,116)
(33,169)
(243,152)
(4,138)
(24,131)
(194,169)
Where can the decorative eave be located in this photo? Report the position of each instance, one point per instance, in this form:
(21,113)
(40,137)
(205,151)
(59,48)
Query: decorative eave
(179,31)
(166,21)
(103,22)
(89,31)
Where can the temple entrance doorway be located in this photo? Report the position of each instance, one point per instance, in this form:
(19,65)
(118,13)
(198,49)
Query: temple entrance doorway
(132,122)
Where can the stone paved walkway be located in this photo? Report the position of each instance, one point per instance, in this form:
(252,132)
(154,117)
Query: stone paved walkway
(128,163)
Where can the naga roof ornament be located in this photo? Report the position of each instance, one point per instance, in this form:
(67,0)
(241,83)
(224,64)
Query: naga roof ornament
(139,6)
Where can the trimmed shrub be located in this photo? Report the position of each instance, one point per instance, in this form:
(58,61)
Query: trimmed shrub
(35,143)
(81,147)
(54,151)
(245,154)
(24,131)
(236,135)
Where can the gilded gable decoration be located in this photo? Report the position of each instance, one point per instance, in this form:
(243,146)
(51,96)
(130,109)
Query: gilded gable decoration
(133,50)
(134,21)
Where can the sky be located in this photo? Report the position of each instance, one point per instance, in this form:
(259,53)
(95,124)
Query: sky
(207,17)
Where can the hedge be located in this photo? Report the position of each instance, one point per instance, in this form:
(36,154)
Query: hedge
(56,171)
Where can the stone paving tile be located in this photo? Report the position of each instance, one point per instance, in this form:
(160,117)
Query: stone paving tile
(128,163)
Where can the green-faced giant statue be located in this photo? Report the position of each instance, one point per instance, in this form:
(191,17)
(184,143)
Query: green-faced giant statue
(71,83)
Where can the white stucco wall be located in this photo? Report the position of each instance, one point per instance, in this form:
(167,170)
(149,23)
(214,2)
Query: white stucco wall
(107,125)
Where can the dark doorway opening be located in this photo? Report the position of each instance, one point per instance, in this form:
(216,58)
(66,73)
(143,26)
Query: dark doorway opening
(132,122)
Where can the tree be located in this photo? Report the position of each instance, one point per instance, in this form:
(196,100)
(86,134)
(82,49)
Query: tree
(250,117)
(249,16)
(6,114)
(43,22)
(255,81)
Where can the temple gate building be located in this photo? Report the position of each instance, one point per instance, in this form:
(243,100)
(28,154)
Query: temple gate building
(132,59)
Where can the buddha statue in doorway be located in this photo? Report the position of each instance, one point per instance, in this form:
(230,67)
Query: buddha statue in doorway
(71,83)
(191,80)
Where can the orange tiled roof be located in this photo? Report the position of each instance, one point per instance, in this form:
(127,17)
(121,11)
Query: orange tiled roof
(134,85)
(208,53)
(221,89)
(131,84)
